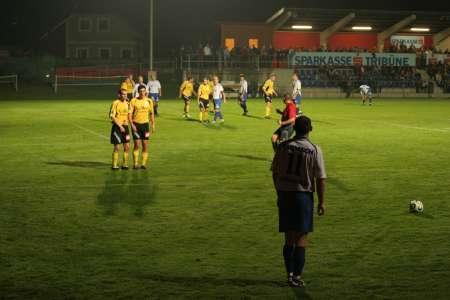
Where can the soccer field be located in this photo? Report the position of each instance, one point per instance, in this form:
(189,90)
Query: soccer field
(202,221)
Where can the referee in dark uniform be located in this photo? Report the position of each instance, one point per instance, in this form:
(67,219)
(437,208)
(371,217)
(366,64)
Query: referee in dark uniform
(298,171)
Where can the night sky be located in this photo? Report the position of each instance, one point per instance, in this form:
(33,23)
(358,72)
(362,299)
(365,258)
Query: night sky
(178,21)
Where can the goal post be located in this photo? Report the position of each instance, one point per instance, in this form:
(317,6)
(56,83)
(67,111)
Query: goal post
(82,80)
(10,80)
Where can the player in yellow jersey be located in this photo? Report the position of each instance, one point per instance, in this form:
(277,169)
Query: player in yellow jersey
(203,94)
(141,115)
(269,91)
(120,133)
(186,92)
(128,85)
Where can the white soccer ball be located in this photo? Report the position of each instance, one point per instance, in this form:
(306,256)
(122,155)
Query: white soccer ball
(415,206)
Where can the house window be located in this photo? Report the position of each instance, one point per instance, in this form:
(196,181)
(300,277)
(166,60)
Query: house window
(104,53)
(103,24)
(82,53)
(126,53)
(84,24)
(253,43)
(229,43)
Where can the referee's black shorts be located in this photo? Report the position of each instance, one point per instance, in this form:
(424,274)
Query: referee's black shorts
(295,211)
(118,137)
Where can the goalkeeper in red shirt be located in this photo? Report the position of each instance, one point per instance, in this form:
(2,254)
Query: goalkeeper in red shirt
(288,116)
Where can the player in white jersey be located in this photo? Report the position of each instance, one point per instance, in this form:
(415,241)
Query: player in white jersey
(366,93)
(137,85)
(243,93)
(297,92)
(154,90)
(298,170)
(218,97)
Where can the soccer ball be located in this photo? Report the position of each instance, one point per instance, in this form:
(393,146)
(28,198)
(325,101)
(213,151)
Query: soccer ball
(415,206)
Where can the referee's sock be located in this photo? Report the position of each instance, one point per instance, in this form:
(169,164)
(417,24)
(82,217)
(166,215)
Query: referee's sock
(288,251)
(299,260)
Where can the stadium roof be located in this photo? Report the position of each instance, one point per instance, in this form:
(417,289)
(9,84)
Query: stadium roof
(379,20)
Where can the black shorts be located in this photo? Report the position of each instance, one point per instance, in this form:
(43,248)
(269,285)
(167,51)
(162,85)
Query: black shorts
(204,103)
(268,98)
(284,132)
(295,211)
(187,98)
(118,137)
(142,132)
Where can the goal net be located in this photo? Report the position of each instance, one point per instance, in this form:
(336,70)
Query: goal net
(82,80)
(10,80)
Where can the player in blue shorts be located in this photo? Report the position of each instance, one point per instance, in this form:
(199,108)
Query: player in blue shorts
(243,94)
(297,92)
(218,98)
(154,90)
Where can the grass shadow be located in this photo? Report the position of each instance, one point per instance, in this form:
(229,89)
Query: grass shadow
(300,293)
(214,281)
(80,164)
(254,117)
(133,189)
(420,215)
(182,119)
(245,156)
(338,184)
(323,122)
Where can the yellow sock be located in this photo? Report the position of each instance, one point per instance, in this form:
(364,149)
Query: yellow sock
(200,116)
(144,158)
(115,159)
(187,109)
(267,111)
(125,159)
(135,157)
(205,116)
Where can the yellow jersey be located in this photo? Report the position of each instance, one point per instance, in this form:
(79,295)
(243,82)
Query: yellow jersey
(187,88)
(127,85)
(140,109)
(119,112)
(268,87)
(204,90)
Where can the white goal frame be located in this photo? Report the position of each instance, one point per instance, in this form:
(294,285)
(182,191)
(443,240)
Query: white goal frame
(86,81)
(10,79)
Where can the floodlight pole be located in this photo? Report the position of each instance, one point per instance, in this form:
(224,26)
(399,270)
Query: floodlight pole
(152,15)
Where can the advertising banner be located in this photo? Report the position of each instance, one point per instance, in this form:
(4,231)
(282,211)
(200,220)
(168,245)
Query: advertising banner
(408,40)
(352,58)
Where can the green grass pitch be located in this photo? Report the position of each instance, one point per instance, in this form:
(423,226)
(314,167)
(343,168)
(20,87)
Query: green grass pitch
(202,222)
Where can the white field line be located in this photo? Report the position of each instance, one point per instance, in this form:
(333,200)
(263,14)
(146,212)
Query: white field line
(442,130)
(91,132)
